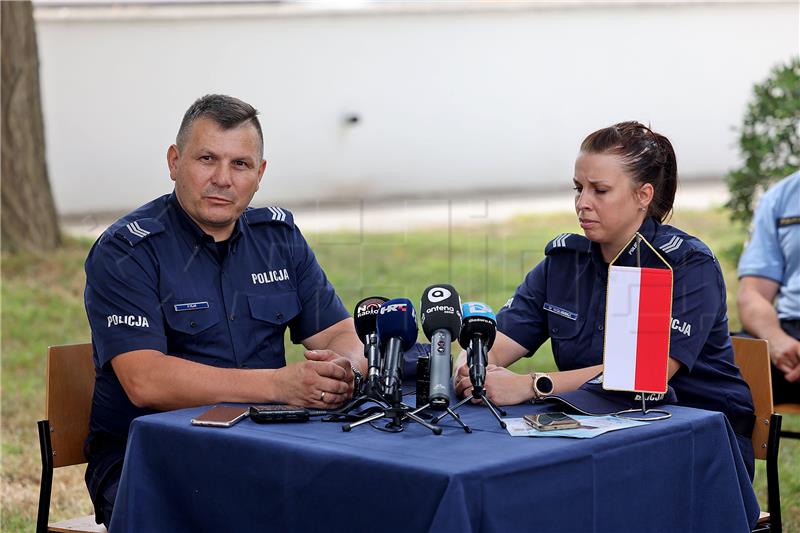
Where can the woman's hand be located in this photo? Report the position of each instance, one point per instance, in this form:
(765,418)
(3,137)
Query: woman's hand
(504,387)
(461,381)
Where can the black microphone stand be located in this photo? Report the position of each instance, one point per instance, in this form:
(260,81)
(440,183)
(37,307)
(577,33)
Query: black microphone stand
(438,402)
(394,409)
(447,411)
(476,358)
(396,412)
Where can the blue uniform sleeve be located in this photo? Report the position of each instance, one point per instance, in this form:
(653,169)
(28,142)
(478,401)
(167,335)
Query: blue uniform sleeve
(763,256)
(522,318)
(698,304)
(319,303)
(121,301)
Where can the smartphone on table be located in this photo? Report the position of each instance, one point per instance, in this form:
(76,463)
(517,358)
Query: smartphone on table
(551,421)
(221,416)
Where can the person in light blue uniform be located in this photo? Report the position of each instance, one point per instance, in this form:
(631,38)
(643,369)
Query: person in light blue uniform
(768,269)
(625,181)
(189,297)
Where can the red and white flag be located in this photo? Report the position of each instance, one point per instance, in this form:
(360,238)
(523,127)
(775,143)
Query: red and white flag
(639,305)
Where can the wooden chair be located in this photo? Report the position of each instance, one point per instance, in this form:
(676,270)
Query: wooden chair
(789,409)
(70,384)
(752,358)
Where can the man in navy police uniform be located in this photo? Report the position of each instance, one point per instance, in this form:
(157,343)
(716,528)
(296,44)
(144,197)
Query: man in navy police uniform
(189,296)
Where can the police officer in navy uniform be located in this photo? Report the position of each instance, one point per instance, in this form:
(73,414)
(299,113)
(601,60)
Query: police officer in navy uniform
(625,181)
(769,269)
(189,296)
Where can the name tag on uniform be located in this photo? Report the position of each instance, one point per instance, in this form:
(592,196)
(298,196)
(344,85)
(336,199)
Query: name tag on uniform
(788,221)
(191,306)
(561,312)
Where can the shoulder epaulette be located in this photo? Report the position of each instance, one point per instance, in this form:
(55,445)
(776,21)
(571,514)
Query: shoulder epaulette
(136,231)
(263,215)
(568,241)
(675,246)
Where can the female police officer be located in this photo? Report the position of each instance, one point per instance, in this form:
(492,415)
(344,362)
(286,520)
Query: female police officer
(625,181)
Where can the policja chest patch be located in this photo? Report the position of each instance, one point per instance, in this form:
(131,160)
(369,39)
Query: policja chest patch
(270,276)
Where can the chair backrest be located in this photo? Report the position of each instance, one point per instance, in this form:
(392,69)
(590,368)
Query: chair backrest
(70,385)
(752,358)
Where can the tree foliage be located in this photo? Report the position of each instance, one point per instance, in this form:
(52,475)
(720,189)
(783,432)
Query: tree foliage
(769,140)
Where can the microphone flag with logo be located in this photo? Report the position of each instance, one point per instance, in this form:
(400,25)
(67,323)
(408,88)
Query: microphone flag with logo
(397,332)
(365,314)
(364,317)
(637,329)
(478,321)
(440,309)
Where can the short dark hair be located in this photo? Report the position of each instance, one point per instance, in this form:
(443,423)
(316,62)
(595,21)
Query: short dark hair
(227,111)
(648,156)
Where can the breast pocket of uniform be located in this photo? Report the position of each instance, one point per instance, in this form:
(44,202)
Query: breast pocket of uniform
(564,326)
(191,318)
(271,315)
(276,309)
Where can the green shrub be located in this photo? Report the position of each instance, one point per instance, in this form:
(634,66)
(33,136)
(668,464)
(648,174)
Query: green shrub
(770,138)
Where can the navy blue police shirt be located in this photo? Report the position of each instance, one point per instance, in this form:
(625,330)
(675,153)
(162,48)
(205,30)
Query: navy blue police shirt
(155,280)
(564,298)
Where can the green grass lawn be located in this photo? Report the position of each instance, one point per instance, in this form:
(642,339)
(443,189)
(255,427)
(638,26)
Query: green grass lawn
(42,305)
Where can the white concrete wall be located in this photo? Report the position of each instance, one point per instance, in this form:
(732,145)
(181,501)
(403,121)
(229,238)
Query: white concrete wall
(450,100)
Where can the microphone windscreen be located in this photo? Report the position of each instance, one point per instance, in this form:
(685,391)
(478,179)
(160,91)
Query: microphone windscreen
(365,313)
(397,318)
(440,308)
(479,320)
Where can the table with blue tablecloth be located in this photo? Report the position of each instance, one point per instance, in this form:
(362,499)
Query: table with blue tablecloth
(680,474)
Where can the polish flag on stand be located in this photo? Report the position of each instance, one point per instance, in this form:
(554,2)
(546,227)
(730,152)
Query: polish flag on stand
(639,305)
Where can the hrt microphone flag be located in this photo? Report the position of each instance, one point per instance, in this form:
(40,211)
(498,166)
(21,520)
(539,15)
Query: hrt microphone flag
(638,314)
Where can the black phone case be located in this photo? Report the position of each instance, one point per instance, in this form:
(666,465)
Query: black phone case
(278,413)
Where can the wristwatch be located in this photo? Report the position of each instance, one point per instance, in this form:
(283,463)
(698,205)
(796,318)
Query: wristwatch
(542,385)
(358,379)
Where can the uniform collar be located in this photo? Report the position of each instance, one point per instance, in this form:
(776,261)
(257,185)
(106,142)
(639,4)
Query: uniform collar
(190,226)
(648,230)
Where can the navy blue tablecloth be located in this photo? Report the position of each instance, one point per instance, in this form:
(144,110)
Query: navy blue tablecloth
(681,474)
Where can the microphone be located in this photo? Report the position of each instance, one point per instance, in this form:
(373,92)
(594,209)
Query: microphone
(397,331)
(478,331)
(440,316)
(364,317)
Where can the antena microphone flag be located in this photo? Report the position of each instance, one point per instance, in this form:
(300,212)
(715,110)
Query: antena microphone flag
(638,313)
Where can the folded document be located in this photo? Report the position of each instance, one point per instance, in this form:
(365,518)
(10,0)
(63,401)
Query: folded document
(591,426)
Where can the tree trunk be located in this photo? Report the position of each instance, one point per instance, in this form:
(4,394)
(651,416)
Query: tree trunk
(29,220)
